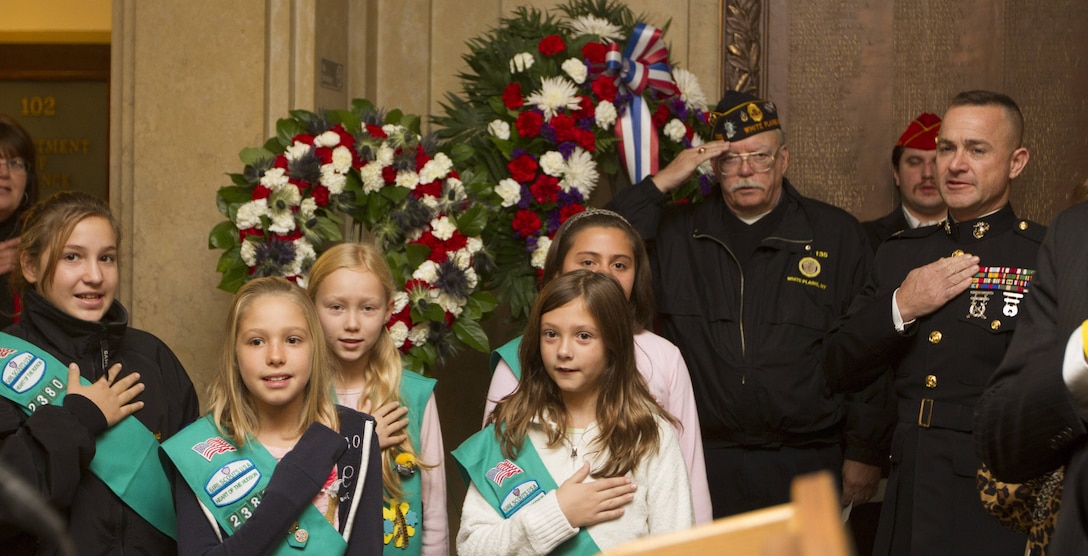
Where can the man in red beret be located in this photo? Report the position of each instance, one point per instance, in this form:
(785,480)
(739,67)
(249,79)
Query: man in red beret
(914,167)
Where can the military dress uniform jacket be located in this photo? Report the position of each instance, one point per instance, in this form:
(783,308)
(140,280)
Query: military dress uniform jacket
(886,226)
(754,342)
(940,364)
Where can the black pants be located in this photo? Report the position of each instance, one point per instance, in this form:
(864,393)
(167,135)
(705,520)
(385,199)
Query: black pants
(746,479)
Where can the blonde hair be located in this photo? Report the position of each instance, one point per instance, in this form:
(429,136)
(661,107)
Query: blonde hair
(626,410)
(383,371)
(232,406)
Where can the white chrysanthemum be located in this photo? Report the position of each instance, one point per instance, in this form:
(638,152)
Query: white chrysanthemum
(384,156)
(249,215)
(341,159)
(283,222)
(296,151)
(605,114)
(400,301)
(510,191)
(593,25)
(690,90)
(328,139)
(552,163)
(435,168)
(419,333)
(307,208)
(581,173)
(371,174)
(276,177)
(541,253)
(576,69)
(521,62)
(428,272)
(499,128)
(443,228)
(398,333)
(407,179)
(675,130)
(332,179)
(248,252)
(555,94)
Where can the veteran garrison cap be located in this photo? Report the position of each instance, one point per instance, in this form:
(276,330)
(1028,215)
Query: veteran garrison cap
(742,115)
(921,134)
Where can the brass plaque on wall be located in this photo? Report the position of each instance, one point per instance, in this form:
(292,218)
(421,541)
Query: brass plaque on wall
(69,122)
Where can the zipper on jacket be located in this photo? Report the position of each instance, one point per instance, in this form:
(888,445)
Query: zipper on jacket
(743,349)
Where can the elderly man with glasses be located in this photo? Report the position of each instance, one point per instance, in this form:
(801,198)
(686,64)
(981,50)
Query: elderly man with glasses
(748,282)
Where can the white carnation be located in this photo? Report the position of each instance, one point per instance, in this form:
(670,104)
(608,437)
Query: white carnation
(304,256)
(341,159)
(430,201)
(328,139)
(451,304)
(332,179)
(474,244)
(470,274)
(428,272)
(542,246)
(393,129)
(398,333)
(521,62)
(419,334)
(605,114)
(371,175)
(297,150)
(249,253)
(443,228)
(283,222)
(675,130)
(249,215)
(510,191)
(462,258)
(407,179)
(552,163)
(400,301)
(274,178)
(576,69)
(499,128)
(384,156)
(435,168)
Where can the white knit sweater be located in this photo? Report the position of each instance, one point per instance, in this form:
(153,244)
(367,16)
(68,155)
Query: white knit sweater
(662,501)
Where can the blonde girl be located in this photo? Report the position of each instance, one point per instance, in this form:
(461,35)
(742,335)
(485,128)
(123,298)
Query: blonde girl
(603,241)
(272,415)
(352,287)
(581,457)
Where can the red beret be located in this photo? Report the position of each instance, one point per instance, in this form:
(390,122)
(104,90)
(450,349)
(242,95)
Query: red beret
(921,133)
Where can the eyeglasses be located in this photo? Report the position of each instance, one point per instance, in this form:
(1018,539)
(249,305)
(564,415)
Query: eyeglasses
(729,164)
(14,165)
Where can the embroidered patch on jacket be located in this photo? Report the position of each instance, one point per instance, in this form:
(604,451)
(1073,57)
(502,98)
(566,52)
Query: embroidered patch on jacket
(502,471)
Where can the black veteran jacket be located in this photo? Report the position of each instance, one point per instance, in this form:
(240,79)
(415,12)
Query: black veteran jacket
(754,342)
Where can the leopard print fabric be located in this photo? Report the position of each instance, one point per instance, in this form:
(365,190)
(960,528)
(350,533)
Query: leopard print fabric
(1030,507)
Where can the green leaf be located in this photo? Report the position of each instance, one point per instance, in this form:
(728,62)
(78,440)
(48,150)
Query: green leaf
(252,155)
(223,236)
(472,221)
(434,312)
(470,332)
(286,130)
(416,254)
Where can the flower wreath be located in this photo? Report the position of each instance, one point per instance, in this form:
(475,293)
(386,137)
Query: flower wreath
(545,104)
(283,211)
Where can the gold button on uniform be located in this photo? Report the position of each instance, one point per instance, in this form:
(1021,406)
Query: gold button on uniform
(995,325)
(1023,225)
(957,252)
(931,381)
(935,337)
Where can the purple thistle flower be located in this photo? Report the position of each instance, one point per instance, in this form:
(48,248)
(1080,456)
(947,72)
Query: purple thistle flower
(452,280)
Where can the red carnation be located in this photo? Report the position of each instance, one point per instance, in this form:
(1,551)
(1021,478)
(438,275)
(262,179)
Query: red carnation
(605,88)
(281,162)
(376,131)
(545,189)
(321,195)
(567,211)
(511,97)
(528,124)
(421,157)
(346,138)
(457,241)
(303,138)
(437,246)
(586,139)
(434,189)
(661,116)
(526,223)
(594,52)
(564,127)
(243,234)
(324,154)
(261,192)
(585,108)
(523,168)
(389,174)
(551,44)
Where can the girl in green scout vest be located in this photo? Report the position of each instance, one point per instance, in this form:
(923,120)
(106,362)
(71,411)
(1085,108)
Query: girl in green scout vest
(352,287)
(603,241)
(580,458)
(276,465)
(85,397)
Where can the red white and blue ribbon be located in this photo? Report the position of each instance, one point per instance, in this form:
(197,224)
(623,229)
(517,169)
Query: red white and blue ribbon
(642,64)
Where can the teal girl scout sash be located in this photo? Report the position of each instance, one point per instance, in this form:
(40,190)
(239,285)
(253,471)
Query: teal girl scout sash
(510,485)
(126,456)
(508,353)
(230,481)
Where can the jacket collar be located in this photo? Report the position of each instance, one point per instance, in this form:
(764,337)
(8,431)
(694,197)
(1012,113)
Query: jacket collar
(73,337)
(978,229)
(794,228)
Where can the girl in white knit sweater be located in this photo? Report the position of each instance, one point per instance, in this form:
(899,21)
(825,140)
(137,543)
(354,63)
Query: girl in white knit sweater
(602,465)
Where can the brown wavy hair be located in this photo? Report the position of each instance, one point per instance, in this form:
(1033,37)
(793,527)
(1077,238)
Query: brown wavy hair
(626,411)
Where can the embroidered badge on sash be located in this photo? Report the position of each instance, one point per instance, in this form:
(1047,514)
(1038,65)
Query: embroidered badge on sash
(23,372)
(400,523)
(232,482)
(519,496)
(1012,282)
(502,471)
(4,352)
(212,447)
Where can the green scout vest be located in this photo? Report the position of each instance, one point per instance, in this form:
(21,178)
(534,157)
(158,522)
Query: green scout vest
(508,353)
(509,485)
(126,456)
(230,481)
(403,516)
